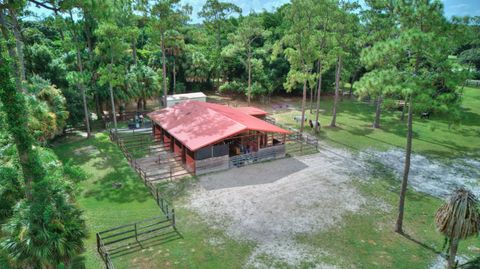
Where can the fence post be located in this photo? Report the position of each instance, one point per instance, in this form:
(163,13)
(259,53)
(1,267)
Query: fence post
(161,205)
(166,211)
(98,243)
(106,260)
(173,218)
(136,233)
(156,190)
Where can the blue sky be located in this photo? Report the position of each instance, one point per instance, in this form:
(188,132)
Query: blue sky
(452,7)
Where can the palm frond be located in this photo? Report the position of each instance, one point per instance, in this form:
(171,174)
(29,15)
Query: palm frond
(459,218)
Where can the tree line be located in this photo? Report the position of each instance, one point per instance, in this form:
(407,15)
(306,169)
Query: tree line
(94,56)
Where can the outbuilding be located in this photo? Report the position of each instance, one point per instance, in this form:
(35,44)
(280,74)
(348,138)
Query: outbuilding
(178,98)
(211,137)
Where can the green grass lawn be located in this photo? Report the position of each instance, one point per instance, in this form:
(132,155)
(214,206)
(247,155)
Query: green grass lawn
(431,137)
(106,207)
(362,240)
(366,239)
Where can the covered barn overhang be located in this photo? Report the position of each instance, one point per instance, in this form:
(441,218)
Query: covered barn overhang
(199,124)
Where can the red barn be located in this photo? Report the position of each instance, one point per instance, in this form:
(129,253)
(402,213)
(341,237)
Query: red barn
(211,137)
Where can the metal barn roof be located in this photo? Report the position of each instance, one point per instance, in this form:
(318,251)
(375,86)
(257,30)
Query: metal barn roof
(199,124)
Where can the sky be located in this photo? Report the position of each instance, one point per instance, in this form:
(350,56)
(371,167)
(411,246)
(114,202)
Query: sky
(452,7)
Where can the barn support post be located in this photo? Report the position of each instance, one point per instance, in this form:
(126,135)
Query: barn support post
(162,132)
(258,140)
(184,154)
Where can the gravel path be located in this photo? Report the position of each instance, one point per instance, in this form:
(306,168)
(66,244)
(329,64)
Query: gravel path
(312,195)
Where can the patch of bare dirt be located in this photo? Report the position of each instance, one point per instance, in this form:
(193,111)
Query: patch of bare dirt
(308,200)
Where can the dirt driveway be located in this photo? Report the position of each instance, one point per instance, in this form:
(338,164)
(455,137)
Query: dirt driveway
(270,203)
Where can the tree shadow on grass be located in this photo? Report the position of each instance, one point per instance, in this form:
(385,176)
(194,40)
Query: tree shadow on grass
(364,131)
(118,186)
(131,188)
(420,243)
(150,242)
(79,262)
(125,252)
(449,144)
(121,185)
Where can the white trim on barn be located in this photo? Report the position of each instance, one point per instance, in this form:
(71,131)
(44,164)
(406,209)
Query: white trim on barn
(178,98)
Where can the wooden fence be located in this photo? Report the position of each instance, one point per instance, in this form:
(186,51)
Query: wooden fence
(270,153)
(472,83)
(148,179)
(303,143)
(125,115)
(131,142)
(120,239)
(212,164)
(102,250)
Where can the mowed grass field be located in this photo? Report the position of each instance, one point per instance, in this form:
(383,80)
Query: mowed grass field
(435,137)
(364,239)
(106,207)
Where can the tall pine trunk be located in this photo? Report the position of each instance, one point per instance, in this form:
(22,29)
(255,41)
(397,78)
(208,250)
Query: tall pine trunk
(311,100)
(219,49)
(60,29)
(12,53)
(378,111)
(164,72)
(402,118)
(134,51)
(452,254)
(174,76)
(319,90)
(110,89)
(249,60)
(352,79)
(304,99)
(82,90)
(406,170)
(19,45)
(337,90)
(80,84)
(90,67)
(17,118)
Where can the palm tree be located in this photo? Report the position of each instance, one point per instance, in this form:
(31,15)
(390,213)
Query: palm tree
(36,240)
(457,219)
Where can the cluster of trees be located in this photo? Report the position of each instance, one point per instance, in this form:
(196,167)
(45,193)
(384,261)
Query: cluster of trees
(100,55)
(104,54)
